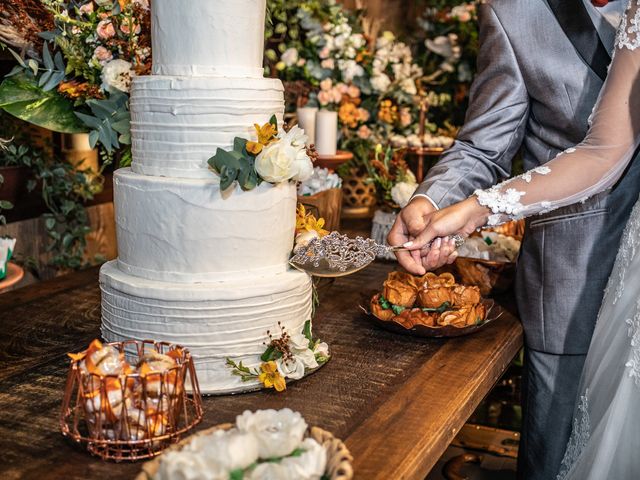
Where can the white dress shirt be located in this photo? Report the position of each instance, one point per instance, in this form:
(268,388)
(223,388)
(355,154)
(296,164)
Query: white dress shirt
(610,13)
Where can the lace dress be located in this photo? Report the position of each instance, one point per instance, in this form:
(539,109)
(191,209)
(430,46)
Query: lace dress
(605,442)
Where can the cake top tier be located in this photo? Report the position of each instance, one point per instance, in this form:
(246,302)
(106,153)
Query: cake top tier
(208,37)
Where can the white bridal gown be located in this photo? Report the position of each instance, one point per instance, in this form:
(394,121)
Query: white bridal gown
(605,442)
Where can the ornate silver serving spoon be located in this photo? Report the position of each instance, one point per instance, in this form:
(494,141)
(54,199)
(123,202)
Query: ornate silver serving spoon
(336,255)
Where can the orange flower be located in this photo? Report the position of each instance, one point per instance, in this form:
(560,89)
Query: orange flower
(271,378)
(308,222)
(266,135)
(349,114)
(388,112)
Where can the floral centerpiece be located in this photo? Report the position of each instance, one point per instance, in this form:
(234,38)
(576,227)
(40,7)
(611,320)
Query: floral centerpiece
(80,80)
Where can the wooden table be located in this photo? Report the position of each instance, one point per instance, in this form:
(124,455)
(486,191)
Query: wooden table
(397,401)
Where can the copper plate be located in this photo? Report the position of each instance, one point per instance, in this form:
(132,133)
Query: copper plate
(493,313)
(15,273)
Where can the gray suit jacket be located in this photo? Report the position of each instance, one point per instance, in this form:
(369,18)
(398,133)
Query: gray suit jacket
(540,69)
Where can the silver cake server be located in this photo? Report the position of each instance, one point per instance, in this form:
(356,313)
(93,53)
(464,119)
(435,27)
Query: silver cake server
(337,255)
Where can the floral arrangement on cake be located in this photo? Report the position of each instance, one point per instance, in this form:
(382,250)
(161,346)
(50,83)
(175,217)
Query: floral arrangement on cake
(288,356)
(308,227)
(275,156)
(80,80)
(260,445)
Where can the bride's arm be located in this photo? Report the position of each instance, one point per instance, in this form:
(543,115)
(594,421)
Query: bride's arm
(594,165)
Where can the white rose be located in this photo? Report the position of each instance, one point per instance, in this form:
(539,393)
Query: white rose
(290,57)
(381,82)
(308,358)
(401,193)
(277,162)
(292,368)
(303,165)
(187,465)
(311,465)
(278,433)
(230,450)
(303,239)
(350,69)
(117,74)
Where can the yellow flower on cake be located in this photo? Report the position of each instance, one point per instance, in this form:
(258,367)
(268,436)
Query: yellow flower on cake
(271,378)
(266,134)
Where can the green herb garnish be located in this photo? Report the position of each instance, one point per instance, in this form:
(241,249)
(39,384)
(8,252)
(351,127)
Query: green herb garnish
(397,309)
(441,309)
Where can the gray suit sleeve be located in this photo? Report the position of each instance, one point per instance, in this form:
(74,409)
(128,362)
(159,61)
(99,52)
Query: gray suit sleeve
(495,124)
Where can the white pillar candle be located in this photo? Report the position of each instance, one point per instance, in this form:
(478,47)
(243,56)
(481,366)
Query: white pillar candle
(307,122)
(326,132)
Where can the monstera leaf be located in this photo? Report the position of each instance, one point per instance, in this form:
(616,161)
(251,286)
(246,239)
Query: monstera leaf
(21,96)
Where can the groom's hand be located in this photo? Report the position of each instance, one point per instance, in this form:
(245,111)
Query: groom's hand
(410,223)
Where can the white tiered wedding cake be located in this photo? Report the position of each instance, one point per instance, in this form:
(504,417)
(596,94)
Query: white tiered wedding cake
(197,266)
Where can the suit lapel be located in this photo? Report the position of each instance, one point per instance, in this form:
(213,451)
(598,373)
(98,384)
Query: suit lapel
(577,25)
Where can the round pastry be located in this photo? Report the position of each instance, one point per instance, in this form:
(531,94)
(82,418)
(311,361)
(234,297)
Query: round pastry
(384,314)
(400,293)
(435,297)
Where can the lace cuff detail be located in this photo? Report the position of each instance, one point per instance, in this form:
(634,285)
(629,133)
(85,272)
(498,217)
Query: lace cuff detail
(629,30)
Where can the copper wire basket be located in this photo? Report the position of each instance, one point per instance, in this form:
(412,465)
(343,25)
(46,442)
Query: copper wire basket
(132,416)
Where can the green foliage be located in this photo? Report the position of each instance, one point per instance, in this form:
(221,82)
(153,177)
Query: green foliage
(235,165)
(110,122)
(22,97)
(64,190)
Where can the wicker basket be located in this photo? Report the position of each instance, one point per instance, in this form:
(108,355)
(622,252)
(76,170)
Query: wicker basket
(103,412)
(338,457)
(329,206)
(359,196)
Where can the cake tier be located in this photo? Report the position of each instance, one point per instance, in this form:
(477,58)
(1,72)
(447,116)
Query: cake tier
(178,123)
(214,321)
(187,230)
(208,37)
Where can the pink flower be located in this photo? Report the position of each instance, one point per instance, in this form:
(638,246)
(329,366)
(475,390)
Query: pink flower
(364,114)
(336,96)
(105,29)
(87,8)
(353,91)
(324,53)
(364,132)
(328,63)
(301,62)
(326,84)
(324,97)
(102,54)
(342,88)
(125,28)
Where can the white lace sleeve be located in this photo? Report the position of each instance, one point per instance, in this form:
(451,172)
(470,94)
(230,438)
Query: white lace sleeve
(600,160)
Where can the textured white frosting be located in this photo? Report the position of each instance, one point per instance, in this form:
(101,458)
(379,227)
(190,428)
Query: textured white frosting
(208,37)
(187,230)
(178,123)
(214,321)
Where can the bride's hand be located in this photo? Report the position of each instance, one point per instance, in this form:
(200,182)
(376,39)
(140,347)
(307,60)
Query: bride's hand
(459,219)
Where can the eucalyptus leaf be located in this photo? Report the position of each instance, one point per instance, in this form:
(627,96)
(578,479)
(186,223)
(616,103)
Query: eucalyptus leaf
(18,58)
(227,176)
(46,57)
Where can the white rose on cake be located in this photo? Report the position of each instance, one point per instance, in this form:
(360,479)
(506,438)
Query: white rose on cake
(278,432)
(117,74)
(292,368)
(401,193)
(277,162)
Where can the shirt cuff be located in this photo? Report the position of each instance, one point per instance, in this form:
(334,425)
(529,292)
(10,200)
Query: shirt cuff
(428,198)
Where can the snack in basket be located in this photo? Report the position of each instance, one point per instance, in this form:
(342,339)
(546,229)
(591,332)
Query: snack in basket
(431,300)
(123,402)
(260,445)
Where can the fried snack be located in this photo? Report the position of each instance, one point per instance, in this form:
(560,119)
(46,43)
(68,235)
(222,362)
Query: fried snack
(464,317)
(378,311)
(400,293)
(463,296)
(405,277)
(435,297)
(431,280)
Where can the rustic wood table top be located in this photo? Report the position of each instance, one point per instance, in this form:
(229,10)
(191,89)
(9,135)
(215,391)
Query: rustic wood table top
(397,401)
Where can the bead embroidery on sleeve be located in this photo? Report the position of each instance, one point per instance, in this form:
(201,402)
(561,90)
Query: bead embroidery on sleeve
(629,30)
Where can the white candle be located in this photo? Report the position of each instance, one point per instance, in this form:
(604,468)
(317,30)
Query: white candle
(326,132)
(307,122)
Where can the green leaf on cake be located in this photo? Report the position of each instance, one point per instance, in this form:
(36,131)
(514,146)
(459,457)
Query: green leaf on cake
(274,121)
(228,175)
